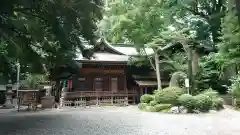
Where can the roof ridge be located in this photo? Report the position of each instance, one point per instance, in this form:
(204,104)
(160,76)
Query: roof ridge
(122,45)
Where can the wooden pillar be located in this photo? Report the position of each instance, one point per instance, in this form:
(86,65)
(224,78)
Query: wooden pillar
(145,90)
(112,99)
(125,87)
(125,83)
(141,91)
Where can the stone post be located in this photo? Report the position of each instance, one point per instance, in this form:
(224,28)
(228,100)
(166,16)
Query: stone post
(63,94)
(8,103)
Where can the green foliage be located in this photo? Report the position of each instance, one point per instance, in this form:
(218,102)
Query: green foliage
(150,109)
(45,32)
(161,107)
(34,80)
(146,98)
(209,74)
(169,95)
(188,101)
(138,20)
(153,103)
(235,86)
(235,89)
(217,103)
(142,106)
(203,102)
(211,93)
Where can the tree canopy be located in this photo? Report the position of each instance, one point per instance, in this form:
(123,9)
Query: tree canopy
(45,33)
(211,26)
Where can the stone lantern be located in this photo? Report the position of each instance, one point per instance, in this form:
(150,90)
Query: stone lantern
(9,94)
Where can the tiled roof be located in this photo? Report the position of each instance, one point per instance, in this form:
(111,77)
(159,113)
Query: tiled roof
(124,51)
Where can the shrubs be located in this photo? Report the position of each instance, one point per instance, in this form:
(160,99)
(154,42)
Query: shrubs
(146,98)
(142,106)
(150,109)
(188,101)
(160,107)
(217,103)
(153,103)
(203,103)
(154,108)
(174,96)
(169,95)
(212,94)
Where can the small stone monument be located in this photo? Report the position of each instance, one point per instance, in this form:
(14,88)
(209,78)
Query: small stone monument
(48,101)
(63,94)
(8,103)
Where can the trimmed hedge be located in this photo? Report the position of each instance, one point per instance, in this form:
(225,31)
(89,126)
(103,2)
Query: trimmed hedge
(211,93)
(203,103)
(142,106)
(146,98)
(188,101)
(153,103)
(169,95)
(160,107)
(217,103)
(150,109)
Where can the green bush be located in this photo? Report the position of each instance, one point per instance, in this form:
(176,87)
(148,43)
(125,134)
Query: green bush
(169,95)
(160,107)
(150,109)
(168,110)
(235,86)
(142,106)
(203,102)
(211,93)
(188,101)
(146,98)
(153,103)
(217,103)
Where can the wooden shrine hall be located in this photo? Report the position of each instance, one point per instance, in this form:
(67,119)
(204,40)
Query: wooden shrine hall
(107,78)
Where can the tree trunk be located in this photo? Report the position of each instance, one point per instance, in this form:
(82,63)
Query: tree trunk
(158,72)
(190,73)
(195,67)
(195,62)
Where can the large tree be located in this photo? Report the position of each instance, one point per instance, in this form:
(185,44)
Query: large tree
(45,32)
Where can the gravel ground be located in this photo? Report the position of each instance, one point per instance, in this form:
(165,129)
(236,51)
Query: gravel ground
(118,121)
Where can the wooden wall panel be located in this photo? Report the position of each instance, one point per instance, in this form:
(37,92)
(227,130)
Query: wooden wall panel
(121,81)
(106,74)
(89,82)
(106,83)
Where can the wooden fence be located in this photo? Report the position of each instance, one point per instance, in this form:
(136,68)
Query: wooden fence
(101,98)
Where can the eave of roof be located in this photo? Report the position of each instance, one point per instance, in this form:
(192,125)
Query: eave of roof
(147,83)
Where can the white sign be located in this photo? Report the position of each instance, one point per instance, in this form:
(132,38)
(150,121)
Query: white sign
(187,83)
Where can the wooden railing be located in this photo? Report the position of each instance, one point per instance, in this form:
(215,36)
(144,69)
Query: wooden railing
(76,94)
